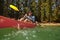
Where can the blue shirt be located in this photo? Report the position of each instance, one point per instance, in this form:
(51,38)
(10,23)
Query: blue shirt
(32,18)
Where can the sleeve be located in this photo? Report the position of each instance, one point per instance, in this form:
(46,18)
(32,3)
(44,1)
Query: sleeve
(33,18)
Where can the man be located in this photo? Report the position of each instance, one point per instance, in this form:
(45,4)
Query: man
(28,17)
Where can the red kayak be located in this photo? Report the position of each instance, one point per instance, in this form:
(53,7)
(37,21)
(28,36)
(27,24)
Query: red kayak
(9,23)
(26,24)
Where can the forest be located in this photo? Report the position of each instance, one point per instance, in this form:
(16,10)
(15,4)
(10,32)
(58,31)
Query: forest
(43,10)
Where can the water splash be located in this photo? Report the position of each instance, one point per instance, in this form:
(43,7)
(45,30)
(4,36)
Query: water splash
(26,34)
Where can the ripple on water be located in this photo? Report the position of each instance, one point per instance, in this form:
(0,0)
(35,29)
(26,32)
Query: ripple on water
(7,35)
(6,39)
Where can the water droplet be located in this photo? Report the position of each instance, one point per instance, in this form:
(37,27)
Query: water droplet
(34,31)
(8,38)
(27,38)
(9,34)
(34,35)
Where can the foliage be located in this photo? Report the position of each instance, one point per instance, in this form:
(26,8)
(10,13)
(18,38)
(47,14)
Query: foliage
(44,10)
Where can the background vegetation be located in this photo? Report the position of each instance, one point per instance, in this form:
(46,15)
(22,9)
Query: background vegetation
(44,10)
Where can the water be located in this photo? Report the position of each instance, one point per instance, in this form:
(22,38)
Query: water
(27,34)
(38,33)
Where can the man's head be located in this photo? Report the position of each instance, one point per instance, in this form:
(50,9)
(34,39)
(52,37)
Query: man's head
(29,13)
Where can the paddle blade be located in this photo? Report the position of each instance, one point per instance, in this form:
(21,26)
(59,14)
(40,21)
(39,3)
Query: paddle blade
(14,7)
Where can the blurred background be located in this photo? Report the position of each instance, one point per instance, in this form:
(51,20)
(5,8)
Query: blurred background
(44,10)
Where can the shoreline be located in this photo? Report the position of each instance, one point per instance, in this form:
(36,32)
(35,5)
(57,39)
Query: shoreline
(51,24)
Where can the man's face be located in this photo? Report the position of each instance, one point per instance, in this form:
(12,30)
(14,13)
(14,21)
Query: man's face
(30,14)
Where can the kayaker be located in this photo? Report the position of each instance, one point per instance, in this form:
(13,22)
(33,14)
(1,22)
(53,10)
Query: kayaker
(28,17)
